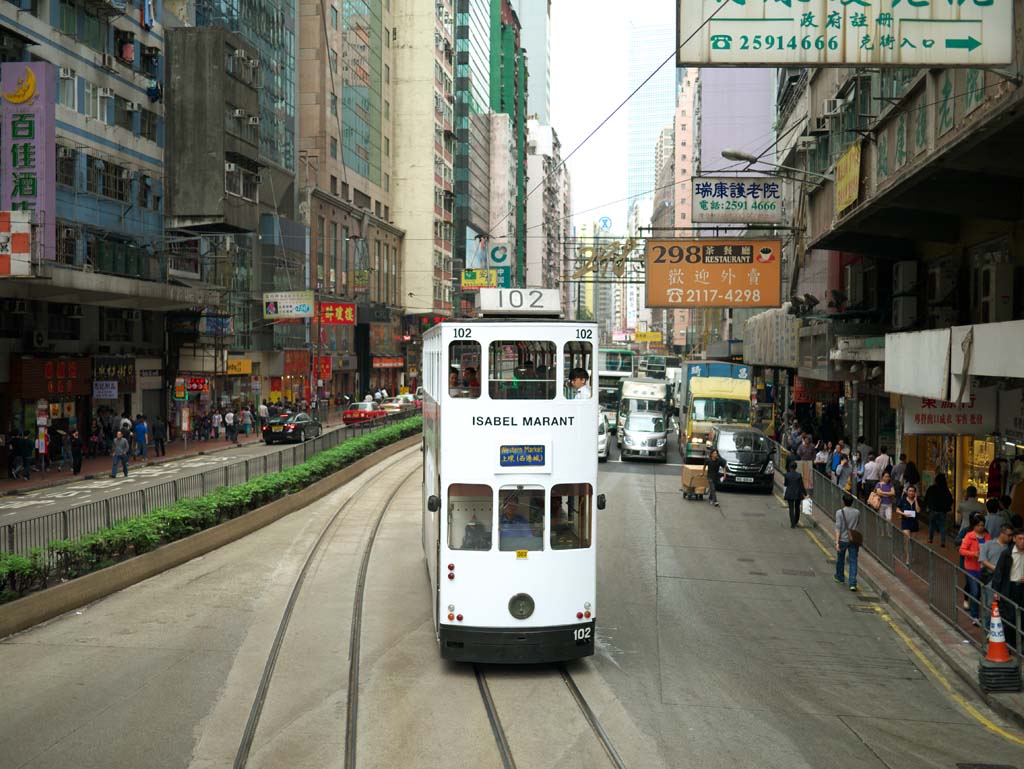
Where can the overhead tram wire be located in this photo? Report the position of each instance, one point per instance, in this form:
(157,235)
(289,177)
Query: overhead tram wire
(612,114)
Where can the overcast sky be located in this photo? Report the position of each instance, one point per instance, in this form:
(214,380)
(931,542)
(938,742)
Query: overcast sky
(589,57)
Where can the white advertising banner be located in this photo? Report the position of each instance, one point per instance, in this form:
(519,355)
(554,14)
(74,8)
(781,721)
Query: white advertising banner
(847,33)
(288,304)
(930,416)
(737,200)
(104,390)
(917,363)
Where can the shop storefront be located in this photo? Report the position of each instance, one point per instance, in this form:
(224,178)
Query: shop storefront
(1011,431)
(243,383)
(295,382)
(114,385)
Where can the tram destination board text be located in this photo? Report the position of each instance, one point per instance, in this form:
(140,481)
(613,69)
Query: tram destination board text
(522,456)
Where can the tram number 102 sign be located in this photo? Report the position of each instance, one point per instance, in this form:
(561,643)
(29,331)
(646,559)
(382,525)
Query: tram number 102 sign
(714,273)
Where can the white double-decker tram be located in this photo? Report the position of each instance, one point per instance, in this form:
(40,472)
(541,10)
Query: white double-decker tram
(510,480)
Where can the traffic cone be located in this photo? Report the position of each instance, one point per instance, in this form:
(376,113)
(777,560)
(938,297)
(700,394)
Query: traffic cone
(998,651)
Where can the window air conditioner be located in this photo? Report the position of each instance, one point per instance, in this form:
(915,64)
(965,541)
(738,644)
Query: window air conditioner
(126,174)
(820,125)
(65,153)
(240,53)
(66,73)
(253,120)
(133,106)
(994,293)
(239,113)
(904,312)
(106,93)
(39,339)
(107,61)
(806,144)
(831,107)
(904,277)
(230,168)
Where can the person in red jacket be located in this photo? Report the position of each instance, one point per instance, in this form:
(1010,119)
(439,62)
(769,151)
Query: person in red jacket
(970,549)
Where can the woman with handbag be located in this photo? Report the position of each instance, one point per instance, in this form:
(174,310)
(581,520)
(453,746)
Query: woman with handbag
(939,502)
(908,508)
(848,541)
(885,491)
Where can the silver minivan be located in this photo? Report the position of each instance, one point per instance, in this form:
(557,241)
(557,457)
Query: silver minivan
(644,434)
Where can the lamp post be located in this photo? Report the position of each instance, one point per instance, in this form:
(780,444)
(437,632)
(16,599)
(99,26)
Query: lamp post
(746,157)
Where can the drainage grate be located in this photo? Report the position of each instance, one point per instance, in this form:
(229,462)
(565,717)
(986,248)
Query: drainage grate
(799,572)
(759,573)
(985,766)
(864,610)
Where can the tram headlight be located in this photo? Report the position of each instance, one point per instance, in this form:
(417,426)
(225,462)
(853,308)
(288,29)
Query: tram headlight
(521,606)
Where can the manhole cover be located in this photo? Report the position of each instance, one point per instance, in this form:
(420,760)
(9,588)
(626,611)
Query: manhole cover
(985,766)
(799,572)
(759,573)
(745,560)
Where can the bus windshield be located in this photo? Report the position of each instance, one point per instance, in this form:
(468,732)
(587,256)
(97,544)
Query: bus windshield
(608,393)
(631,405)
(721,410)
(616,361)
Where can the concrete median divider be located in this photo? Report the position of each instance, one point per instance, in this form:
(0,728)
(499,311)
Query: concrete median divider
(46,604)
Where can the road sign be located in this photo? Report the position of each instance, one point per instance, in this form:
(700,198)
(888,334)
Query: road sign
(737,200)
(605,222)
(816,33)
(647,336)
(714,273)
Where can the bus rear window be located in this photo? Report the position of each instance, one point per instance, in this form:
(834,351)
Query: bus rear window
(571,523)
(522,370)
(470,516)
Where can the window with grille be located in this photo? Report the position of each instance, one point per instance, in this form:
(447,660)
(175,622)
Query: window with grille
(67,163)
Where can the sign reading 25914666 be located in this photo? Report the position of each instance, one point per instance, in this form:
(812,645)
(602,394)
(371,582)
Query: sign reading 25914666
(819,33)
(715,272)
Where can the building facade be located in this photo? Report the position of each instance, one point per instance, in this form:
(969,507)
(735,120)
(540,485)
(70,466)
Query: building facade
(535,16)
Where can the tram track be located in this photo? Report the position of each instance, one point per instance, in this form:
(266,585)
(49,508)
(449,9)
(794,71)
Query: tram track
(498,729)
(263,688)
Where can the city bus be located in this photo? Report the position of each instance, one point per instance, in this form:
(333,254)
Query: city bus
(614,365)
(509,527)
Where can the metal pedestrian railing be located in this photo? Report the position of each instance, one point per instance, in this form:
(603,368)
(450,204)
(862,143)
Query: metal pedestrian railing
(25,535)
(951,592)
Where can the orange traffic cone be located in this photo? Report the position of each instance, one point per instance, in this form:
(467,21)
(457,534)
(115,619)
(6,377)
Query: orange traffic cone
(997,648)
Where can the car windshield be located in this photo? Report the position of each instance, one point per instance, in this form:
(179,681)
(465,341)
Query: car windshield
(293,418)
(645,423)
(601,427)
(744,441)
(720,410)
(364,406)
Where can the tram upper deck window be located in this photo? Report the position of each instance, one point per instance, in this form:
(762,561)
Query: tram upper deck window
(578,365)
(464,369)
(470,516)
(520,518)
(522,370)
(571,522)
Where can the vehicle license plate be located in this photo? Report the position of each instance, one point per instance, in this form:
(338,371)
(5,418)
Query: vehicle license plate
(277,428)
(742,479)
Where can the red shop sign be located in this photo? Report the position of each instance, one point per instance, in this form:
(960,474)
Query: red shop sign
(51,377)
(296,362)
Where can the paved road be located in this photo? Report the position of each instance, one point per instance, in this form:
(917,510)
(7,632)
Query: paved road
(723,642)
(57,498)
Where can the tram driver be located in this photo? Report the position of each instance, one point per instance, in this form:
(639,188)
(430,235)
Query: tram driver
(515,530)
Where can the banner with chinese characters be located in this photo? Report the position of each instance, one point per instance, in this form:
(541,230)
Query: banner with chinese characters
(28,146)
(848,178)
(337,314)
(737,200)
(473,280)
(287,304)
(239,367)
(296,363)
(47,377)
(116,369)
(714,273)
(928,416)
(388,362)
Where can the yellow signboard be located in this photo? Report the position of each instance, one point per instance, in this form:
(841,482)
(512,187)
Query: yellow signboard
(647,336)
(239,367)
(479,279)
(848,178)
(717,272)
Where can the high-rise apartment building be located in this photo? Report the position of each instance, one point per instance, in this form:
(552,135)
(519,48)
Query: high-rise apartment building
(535,16)
(652,107)
(546,242)
(685,163)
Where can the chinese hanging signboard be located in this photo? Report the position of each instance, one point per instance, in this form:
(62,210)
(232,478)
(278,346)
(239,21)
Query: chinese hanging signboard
(816,33)
(473,280)
(288,304)
(16,243)
(120,370)
(28,146)
(714,273)
(337,314)
(928,416)
(296,362)
(737,200)
(848,178)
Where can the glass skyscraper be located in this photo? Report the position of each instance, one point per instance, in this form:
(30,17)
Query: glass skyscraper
(653,107)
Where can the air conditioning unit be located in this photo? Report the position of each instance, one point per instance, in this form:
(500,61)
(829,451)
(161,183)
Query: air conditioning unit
(239,113)
(854,284)
(107,61)
(106,93)
(254,120)
(66,73)
(993,293)
(258,179)
(230,168)
(132,315)
(806,144)
(819,126)
(73,310)
(904,312)
(20,307)
(65,153)
(150,51)
(832,107)
(40,339)
(240,53)
(904,278)
(126,174)
(133,106)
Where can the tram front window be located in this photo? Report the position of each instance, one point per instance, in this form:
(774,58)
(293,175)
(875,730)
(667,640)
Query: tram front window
(520,518)
(578,364)
(571,524)
(469,516)
(522,370)
(464,370)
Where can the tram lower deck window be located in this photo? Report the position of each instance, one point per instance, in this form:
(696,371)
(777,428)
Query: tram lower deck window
(470,516)
(521,518)
(571,522)
(522,370)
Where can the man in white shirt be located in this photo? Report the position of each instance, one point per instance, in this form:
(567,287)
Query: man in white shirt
(1008,581)
(229,425)
(264,414)
(872,474)
(578,379)
(884,460)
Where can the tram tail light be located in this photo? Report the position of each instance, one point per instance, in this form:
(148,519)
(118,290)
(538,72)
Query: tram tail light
(451,571)
(579,615)
(459,617)
(586,614)
(451,617)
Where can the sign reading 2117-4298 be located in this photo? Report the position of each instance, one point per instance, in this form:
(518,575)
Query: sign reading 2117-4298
(818,33)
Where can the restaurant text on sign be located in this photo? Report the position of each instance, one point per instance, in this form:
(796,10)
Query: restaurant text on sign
(713,273)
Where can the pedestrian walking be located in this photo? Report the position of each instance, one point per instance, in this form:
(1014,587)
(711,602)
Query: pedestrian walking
(848,541)
(909,510)
(886,492)
(994,517)
(141,437)
(970,549)
(215,421)
(844,474)
(857,478)
(872,475)
(989,558)
(1008,582)
(821,457)
(806,451)
(246,420)
(939,503)
(794,493)
(884,461)
(716,472)
(229,425)
(897,475)
(264,414)
(77,449)
(159,437)
(121,450)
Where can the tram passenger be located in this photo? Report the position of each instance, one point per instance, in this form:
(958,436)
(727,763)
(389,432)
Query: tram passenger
(578,378)
(472,381)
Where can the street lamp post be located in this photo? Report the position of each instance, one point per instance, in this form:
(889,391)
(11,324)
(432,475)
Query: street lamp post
(746,157)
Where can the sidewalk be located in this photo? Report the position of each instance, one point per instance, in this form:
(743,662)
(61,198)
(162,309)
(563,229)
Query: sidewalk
(902,592)
(100,466)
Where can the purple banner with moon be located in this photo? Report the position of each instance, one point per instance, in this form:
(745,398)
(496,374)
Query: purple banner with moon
(28,147)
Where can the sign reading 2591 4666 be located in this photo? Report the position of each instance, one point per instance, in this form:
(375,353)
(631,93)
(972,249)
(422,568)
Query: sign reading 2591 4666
(715,272)
(819,33)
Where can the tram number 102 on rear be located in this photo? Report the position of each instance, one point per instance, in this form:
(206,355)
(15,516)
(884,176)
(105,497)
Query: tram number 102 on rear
(582,634)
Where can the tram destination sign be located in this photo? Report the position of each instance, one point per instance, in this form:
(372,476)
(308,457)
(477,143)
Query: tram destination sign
(522,456)
(716,272)
(846,33)
(520,301)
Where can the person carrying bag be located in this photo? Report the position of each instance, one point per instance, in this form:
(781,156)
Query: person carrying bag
(848,541)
